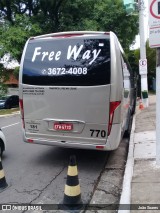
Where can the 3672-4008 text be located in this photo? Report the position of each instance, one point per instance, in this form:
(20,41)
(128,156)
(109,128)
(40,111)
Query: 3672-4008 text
(63,71)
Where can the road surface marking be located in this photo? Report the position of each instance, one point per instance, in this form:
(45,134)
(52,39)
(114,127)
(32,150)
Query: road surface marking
(10,125)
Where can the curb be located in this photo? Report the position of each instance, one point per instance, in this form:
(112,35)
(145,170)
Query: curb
(126,189)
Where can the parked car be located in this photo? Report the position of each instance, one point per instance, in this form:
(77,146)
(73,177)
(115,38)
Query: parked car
(2,143)
(8,102)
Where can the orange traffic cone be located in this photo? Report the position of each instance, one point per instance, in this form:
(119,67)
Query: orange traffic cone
(141,105)
(72,193)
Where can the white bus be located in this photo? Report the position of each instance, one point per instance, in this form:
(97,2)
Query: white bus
(76,90)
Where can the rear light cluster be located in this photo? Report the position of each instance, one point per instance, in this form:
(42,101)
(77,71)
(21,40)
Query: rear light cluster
(22,111)
(113,107)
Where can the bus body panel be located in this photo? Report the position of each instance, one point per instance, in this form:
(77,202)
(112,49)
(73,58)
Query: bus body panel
(89,105)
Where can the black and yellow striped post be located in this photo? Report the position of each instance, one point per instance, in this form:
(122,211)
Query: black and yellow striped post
(3,183)
(72,193)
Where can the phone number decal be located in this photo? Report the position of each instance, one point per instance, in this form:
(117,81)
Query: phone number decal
(64,71)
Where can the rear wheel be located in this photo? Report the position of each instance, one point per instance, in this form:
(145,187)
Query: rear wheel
(135,100)
(134,107)
(129,126)
(1,152)
(1,148)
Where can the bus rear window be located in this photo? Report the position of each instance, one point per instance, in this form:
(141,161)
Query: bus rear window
(67,62)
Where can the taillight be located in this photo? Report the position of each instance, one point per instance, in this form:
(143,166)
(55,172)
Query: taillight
(22,111)
(113,106)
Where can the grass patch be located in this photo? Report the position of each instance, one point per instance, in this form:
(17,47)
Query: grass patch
(8,111)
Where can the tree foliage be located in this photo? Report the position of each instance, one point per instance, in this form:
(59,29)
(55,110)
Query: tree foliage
(3,77)
(62,15)
(21,19)
(151,60)
(12,41)
(13,37)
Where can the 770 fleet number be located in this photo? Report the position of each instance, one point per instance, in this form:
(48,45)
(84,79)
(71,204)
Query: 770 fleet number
(98,133)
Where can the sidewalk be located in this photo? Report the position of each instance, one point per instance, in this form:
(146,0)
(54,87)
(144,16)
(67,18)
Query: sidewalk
(142,174)
(145,184)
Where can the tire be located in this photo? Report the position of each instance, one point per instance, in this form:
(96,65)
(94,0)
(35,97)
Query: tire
(135,100)
(128,130)
(134,108)
(1,152)
(1,148)
(126,134)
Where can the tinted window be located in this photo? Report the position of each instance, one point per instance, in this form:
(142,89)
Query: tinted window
(67,62)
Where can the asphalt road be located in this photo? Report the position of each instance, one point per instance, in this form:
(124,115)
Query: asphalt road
(37,173)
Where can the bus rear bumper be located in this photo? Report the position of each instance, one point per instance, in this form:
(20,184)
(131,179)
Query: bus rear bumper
(111,143)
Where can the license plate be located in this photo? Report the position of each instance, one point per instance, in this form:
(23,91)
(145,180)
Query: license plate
(63,126)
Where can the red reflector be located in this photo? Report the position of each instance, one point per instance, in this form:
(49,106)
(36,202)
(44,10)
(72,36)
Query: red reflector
(99,147)
(21,104)
(113,106)
(22,111)
(30,140)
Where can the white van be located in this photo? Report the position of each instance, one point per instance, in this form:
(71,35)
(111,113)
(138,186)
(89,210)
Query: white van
(76,90)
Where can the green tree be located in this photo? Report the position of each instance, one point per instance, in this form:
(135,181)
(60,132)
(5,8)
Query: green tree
(62,15)
(113,18)
(133,61)
(102,15)
(13,37)
(45,12)
(151,60)
(12,40)
(25,18)
(3,77)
